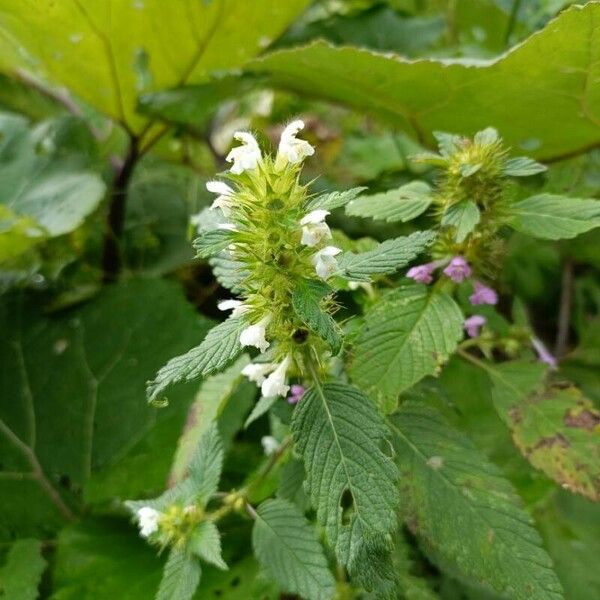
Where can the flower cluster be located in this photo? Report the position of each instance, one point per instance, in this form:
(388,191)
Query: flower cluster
(170,527)
(278,242)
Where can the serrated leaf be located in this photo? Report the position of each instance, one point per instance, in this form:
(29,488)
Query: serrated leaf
(461,507)
(339,433)
(220,347)
(522,166)
(557,430)
(229,273)
(333,200)
(286,545)
(554,217)
(428,94)
(22,571)
(387,257)
(206,464)
(404,337)
(463,216)
(180,577)
(209,403)
(212,242)
(206,544)
(306,299)
(402,204)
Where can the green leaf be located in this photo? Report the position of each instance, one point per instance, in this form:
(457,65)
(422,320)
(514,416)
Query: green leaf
(18,234)
(55,437)
(554,217)
(522,167)
(260,408)
(212,242)
(351,482)
(180,578)
(206,464)
(49,187)
(228,272)
(462,508)
(96,53)
(333,199)
(387,257)
(287,547)
(220,347)
(406,336)
(21,573)
(463,216)
(210,401)
(424,95)
(402,204)
(206,544)
(306,299)
(557,430)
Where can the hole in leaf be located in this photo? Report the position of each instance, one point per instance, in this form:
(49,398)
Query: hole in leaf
(347,505)
(386,448)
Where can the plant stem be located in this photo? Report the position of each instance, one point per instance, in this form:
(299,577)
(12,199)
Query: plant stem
(111,258)
(564,313)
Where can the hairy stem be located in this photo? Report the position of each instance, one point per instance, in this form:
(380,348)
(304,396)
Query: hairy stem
(112,260)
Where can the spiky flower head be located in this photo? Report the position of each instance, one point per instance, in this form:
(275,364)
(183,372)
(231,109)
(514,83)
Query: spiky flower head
(278,242)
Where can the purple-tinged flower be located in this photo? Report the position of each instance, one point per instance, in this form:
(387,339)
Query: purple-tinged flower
(543,353)
(422,273)
(458,269)
(296,395)
(473,324)
(483,294)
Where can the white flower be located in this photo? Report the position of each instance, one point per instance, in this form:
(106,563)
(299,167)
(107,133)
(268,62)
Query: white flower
(290,149)
(237,307)
(314,228)
(244,157)
(147,520)
(325,264)
(274,384)
(254,335)
(227,226)
(269,444)
(257,371)
(225,193)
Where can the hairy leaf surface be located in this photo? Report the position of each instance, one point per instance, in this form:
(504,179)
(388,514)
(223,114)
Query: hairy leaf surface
(351,482)
(180,578)
(333,200)
(286,545)
(404,337)
(462,508)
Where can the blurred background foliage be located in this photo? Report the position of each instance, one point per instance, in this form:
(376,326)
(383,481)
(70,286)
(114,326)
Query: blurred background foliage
(115,114)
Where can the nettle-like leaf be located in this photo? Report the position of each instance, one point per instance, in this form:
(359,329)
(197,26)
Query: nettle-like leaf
(387,257)
(206,544)
(405,337)
(22,571)
(402,204)
(557,430)
(463,216)
(555,217)
(219,348)
(351,482)
(212,242)
(465,512)
(180,578)
(229,273)
(522,166)
(333,200)
(424,95)
(286,545)
(305,300)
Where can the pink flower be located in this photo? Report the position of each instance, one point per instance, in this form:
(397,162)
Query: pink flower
(483,294)
(296,395)
(458,269)
(543,353)
(473,324)
(422,273)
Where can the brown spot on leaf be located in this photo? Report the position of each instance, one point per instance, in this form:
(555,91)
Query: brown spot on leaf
(583,419)
(516,415)
(551,441)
